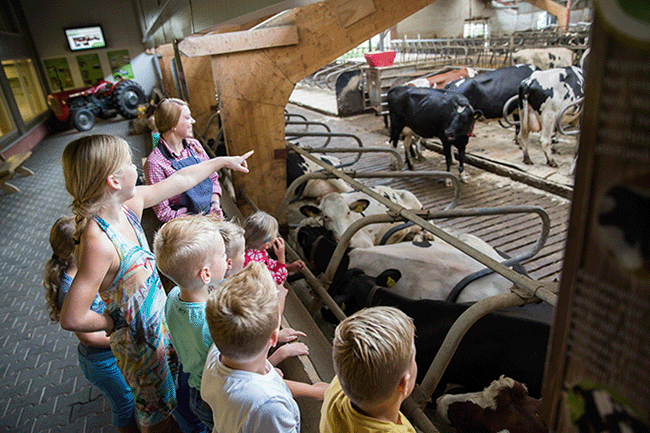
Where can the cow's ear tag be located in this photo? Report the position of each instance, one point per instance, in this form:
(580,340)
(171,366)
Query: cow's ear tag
(312,214)
(343,306)
(476,115)
(359,208)
(390,282)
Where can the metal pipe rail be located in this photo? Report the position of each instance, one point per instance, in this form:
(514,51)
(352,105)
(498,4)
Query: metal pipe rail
(329,135)
(558,121)
(306,123)
(332,172)
(399,164)
(288,116)
(340,249)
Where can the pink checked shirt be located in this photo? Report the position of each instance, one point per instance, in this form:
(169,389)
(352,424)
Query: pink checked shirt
(158,168)
(278,270)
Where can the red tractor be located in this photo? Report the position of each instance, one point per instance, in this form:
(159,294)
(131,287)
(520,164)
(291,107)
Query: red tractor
(104,99)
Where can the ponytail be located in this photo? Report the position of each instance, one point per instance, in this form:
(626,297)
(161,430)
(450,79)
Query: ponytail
(63,246)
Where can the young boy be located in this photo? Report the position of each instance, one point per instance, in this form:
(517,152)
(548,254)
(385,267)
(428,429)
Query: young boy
(246,393)
(190,251)
(374,360)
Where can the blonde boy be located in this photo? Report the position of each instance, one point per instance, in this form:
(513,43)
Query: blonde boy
(374,360)
(233,238)
(246,393)
(191,252)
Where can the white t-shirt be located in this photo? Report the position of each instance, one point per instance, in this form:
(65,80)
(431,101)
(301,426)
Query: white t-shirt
(247,402)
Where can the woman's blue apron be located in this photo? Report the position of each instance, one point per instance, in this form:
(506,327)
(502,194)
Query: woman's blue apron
(196,200)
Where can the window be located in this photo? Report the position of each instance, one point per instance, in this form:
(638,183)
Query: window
(6,121)
(26,88)
(476,29)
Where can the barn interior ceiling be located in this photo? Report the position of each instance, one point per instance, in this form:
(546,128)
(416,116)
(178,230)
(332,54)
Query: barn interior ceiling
(175,19)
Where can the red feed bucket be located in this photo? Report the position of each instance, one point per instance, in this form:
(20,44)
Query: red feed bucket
(380,58)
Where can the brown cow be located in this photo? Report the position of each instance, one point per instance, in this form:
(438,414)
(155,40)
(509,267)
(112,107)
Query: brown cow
(503,406)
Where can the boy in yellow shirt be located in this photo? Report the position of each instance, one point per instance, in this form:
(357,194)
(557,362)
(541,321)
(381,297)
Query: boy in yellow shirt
(374,360)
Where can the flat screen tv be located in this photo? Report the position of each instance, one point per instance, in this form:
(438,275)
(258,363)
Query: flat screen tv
(85,38)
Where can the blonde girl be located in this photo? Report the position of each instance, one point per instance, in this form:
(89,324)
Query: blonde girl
(114,259)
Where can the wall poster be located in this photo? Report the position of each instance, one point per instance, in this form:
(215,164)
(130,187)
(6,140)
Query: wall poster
(120,62)
(90,68)
(58,72)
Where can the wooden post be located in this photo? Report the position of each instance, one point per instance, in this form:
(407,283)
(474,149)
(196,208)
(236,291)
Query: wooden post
(254,85)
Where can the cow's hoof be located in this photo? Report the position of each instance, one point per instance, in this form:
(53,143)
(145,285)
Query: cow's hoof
(448,182)
(464,177)
(528,161)
(552,163)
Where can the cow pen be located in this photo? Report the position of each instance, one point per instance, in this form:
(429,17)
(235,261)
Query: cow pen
(507,223)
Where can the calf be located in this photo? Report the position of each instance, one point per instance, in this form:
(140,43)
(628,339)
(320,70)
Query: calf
(504,406)
(489,92)
(336,212)
(542,97)
(297,165)
(545,58)
(432,113)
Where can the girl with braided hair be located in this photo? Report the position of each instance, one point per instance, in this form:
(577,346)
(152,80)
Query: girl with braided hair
(95,357)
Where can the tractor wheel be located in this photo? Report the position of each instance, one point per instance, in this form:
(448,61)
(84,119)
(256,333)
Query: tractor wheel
(83,119)
(127,97)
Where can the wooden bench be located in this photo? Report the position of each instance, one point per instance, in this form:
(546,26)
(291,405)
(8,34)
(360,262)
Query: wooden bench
(11,166)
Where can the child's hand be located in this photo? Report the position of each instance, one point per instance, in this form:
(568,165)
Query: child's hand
(287,351)
(237,163)
(289,334)
(296,266)
(278,249)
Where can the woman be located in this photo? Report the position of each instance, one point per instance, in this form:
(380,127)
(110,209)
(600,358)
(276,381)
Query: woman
(177,149)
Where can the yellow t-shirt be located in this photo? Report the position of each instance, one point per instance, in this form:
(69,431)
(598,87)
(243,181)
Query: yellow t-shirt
(338,416)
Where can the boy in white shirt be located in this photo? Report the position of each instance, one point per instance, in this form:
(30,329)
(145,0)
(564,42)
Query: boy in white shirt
(246,393)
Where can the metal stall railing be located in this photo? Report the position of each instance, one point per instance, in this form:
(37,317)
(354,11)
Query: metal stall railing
(525,289)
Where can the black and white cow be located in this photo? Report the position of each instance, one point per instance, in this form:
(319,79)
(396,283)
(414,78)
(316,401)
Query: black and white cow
(545,58)
(432,113)
(622,226)
(488,92)
(297,165)
(542,97)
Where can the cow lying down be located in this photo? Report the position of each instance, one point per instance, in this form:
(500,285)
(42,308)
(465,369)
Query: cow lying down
(422,270)
(504,406)
(512,341)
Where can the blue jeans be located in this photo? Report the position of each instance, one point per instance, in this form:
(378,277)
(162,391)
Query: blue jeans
(201,409)
(184,415)
(100,368)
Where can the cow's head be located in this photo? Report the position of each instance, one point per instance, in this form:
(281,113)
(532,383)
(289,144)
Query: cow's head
(503,406)
(462,121)
(336,215)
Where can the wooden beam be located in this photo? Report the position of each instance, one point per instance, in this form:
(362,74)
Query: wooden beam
(224,43)
(254,86)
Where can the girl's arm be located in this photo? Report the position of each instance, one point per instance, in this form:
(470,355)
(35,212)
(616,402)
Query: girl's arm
(184,179)
(94,339)
(97,256)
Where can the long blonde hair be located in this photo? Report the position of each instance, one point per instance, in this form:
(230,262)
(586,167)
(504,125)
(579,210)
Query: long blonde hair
(62,258)
(87,163)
